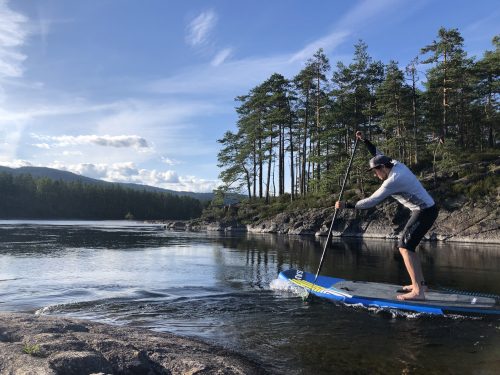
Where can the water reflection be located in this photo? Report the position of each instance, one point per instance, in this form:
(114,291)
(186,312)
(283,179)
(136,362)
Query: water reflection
(216,286)
(456,265)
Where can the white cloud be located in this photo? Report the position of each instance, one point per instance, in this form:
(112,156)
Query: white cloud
(128,172)
(170,126)
(227,79)
(167,128)
(45,146)
(158,178)
(53,110)
(143,114)
(116,172)
(359,16)
(221,57)
(13,34)
(72,153)
(99,171)
(368,12)
(200,28)
(169,161)
(100,140)
(192,183)
(16,163)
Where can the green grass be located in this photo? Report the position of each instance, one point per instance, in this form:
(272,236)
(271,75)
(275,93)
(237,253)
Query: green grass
(479,188)
(32,349)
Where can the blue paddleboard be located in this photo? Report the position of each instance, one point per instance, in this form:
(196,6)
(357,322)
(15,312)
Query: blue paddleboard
(381,295)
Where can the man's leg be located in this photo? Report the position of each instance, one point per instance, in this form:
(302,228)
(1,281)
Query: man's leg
(414,268)
(416,227)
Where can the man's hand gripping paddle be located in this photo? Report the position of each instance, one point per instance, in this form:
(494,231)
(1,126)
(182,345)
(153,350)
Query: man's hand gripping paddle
(328,238)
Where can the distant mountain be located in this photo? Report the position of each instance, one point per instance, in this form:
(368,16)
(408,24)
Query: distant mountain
(56,174)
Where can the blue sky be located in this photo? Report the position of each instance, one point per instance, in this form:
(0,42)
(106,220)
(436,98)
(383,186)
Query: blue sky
(140,91)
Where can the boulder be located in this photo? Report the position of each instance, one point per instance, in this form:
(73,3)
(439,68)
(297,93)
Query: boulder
(42,345)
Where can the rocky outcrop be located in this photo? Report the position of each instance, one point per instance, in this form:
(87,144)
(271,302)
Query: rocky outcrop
(457,221)
(467,223)
(32,344)
(306,222)
(471,223)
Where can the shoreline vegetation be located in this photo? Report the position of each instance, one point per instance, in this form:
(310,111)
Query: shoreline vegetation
(469,211)
(471,223)
(27,196)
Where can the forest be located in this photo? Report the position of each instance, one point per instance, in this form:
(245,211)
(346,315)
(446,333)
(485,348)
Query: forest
(294,136)
(27,197)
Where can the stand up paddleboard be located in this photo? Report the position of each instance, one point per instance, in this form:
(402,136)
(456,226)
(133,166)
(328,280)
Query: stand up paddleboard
(380,295)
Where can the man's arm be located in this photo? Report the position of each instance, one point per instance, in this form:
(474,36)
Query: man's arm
(370,146)
(383,192)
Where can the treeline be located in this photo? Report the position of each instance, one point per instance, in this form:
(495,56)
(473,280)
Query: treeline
(296,134)
(26,197)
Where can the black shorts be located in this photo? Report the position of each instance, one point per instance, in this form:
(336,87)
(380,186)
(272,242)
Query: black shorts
(416,228)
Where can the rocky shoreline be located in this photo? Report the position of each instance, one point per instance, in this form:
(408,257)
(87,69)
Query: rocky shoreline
(459,221)
(44,345)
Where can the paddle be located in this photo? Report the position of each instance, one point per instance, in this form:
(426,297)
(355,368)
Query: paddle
(333,220)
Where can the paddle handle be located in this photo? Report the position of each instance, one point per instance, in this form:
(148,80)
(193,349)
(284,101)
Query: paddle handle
(328,237)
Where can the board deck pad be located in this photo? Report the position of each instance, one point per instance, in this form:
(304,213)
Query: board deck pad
(382,295)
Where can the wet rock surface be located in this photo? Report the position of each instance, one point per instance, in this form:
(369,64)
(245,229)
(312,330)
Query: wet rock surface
(42,345)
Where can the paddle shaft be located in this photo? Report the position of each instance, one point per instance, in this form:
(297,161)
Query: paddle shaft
(334,217)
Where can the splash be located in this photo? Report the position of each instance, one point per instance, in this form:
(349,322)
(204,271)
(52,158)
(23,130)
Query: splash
(408,315)
(288,287)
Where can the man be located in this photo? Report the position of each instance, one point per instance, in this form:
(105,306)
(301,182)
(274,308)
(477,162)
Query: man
(400,183)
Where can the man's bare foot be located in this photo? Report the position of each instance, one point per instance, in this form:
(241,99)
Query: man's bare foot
(414,296)
(409,288)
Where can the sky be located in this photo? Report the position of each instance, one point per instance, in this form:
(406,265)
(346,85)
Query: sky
(140,91)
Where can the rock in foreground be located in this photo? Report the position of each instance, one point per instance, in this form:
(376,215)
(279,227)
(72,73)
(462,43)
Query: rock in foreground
(32,344)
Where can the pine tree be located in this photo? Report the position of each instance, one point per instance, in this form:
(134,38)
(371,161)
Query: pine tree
(447,55)
(234,158)
(487,74)
(320,66)
(393,101)
(412,74)
(304,87)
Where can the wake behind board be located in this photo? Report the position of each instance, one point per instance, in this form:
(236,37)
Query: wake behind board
(381,295)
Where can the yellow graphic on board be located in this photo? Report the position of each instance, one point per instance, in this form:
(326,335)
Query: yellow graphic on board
(319,289)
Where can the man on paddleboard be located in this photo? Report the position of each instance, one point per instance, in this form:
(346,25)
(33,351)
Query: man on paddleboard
(400,183)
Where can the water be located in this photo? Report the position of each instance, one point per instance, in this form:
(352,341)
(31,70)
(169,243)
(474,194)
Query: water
(218,288)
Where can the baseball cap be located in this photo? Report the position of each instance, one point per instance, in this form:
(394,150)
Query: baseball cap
(378,160)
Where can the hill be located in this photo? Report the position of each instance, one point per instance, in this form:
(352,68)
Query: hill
(56,174)
(25,196)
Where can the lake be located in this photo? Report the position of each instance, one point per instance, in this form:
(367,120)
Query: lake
(223,289)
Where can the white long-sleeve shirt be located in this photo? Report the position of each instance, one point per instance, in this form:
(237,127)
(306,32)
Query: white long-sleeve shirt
(403,186)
